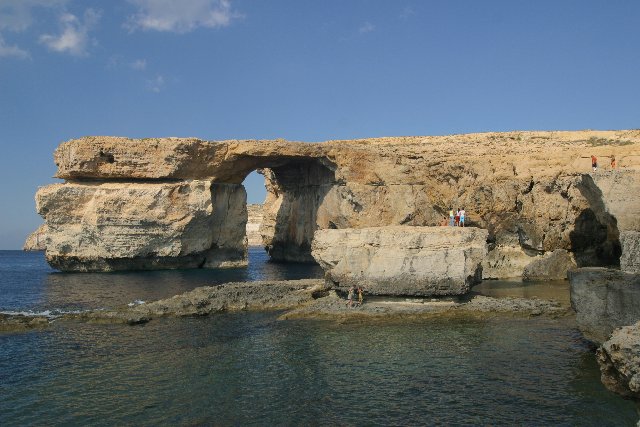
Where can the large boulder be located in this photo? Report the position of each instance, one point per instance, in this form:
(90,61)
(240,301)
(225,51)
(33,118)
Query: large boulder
(123,226)
(604,299)
(399,260)
(619,359)
(550,266)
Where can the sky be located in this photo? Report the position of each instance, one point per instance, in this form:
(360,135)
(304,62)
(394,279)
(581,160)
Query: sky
(300,70)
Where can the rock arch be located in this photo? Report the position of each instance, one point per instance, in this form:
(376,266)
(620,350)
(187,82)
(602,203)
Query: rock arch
(179,202)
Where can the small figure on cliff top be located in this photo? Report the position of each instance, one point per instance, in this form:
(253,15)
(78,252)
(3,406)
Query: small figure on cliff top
(451,217)
(594,162)
(462,214)
(613,161)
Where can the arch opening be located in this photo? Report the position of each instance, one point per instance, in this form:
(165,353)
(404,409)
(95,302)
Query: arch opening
(294,191)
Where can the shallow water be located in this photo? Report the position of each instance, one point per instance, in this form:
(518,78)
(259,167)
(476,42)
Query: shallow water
(250,368)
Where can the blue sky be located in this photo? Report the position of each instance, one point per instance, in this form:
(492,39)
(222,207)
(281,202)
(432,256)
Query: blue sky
(300,70)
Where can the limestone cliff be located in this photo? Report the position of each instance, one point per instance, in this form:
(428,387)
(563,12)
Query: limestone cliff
(254,222)
(36,240)
(121,226)
(529,190)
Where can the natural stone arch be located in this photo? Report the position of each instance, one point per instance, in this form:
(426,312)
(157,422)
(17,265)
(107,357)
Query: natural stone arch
(296,188)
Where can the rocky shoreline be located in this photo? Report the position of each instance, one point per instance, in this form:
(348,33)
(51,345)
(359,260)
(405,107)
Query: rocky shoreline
(307,298)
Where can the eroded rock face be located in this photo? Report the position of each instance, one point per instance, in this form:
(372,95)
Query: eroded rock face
(122,226)
(619,359)
(604,299)
(400,260)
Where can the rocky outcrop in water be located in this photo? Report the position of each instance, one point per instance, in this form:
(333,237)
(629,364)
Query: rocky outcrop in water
(124,226)
(36,240)
(402,260)
(619,359)
(21,322)
(531,191)
(604,299)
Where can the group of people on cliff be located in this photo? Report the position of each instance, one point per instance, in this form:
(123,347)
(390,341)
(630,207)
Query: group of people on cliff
(594,162)
(456,219)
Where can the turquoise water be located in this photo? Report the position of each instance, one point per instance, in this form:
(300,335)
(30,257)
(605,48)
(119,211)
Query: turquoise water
(250,368)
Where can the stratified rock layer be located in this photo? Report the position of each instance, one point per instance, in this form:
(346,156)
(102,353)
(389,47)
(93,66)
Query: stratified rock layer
(402,260)
(604,300)
(619,359)
(122,226)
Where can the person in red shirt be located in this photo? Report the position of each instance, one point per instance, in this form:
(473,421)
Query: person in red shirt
(594,162)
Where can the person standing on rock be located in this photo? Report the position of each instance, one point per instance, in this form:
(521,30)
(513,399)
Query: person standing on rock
(457,219)
(350,296)
(360,295)
(462,214)
(613,161)
(451,217)
(594,162)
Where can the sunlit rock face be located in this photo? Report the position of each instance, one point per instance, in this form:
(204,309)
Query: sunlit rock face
(397,260)
(129,226)
(532,191)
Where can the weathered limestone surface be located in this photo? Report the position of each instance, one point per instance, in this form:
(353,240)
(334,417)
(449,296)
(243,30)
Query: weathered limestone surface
(36,240)
(604,299)
(120,226)
(400,260)
(619,359)
(532,191)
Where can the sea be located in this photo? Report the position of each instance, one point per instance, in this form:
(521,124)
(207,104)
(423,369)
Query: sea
(250,368)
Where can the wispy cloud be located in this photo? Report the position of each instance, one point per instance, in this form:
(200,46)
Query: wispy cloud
(407,12)
(366,27)
(12,51)
(139,64)
(17,15)
(155,84)
(181,16)
(74,38)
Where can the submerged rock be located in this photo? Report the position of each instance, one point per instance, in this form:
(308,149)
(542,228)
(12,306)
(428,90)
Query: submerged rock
(619,359)
(21,322)
(398,260)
